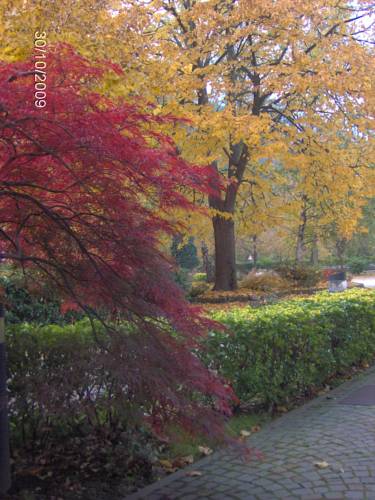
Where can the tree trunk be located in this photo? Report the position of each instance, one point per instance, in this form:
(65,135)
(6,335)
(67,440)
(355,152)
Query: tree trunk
(340,250)
(300,246)
(207,264)
(315,252)
(225,247)
(225,254)
(254,252)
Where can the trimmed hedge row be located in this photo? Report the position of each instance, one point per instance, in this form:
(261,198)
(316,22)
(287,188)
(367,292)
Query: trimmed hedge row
(60,378)
(62,382)
(282,351)
(70,412)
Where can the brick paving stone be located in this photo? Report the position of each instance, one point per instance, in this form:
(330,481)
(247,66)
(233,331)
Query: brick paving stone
(300,492)
(323,429)
(355,495)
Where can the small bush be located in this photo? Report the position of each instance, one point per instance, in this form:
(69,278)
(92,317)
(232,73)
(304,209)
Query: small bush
(279,352)
(199,277)
(244,267)
(357,265)
(23,306)
(267,263)
(57,373)
(199,288)
(181,277)
(265,282)
(302,275)
(185,253)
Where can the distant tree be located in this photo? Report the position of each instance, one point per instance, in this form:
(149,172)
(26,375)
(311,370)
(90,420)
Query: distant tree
(186,254)
(363,242)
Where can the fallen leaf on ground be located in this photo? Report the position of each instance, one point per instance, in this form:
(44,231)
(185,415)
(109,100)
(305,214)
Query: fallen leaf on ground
(33,471)
(255,428)
(324,390)
(282,409)
(245,434)
(166,464)
(194,473)
(205,450)
(182,461)
(321,465)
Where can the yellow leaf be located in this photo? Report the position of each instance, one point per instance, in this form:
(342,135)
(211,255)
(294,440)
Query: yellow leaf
(205,450)
(194,473)
(321,465)
(245,434)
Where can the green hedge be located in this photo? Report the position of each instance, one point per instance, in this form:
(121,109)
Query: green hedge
(68,405)
(61,379)
(278,352)
(357,265)
(23,306)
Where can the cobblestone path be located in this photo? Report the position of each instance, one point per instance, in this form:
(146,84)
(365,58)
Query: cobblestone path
(325,429)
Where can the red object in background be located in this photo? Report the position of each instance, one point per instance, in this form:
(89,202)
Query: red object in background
(327,273)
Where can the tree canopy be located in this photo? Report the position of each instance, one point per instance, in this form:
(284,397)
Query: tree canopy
(278,96)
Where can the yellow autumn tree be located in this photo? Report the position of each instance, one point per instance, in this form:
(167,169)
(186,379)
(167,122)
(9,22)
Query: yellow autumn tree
(263,83)
(277,93)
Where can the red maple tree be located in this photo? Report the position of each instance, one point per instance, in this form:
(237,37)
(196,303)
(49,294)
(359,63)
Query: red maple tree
(85,184)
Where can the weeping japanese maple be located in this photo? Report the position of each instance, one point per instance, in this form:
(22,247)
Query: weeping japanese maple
(85,186)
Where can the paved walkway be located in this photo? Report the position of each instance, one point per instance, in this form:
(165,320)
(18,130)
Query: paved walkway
(343,435)
(367,280)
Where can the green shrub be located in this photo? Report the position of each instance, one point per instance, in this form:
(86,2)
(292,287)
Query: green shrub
(262,263)
(181,277)
(267,263)
(200,277)
(185,253)
(357,265)
(244,267)
(302,275)
(62,378)
(22,306)
(278,352)
(68,399)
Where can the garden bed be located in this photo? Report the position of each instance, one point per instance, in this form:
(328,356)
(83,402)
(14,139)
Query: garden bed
(254,297)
